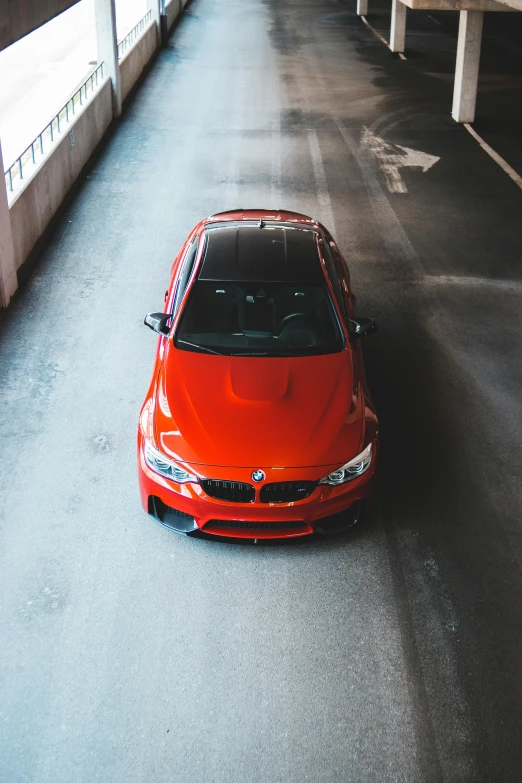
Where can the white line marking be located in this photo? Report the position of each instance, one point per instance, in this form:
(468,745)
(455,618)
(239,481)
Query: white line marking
(374,31)
(402,56)
(275,181)
(517,179)
(392,157)
(392,233)
(508,285)
(323,195)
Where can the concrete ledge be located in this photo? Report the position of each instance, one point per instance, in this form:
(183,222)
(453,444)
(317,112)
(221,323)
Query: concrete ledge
(456,5)
(34,207)
(136,59)
(8,277)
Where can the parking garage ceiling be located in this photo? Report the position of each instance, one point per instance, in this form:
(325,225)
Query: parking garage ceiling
(20,17)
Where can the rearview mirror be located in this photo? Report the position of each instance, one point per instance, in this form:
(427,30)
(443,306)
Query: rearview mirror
(158,322)
(360,327)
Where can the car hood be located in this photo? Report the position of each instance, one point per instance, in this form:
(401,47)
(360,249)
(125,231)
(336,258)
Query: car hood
(258,412)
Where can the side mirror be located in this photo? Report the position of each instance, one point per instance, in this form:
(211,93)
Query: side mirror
(158,322)
(360,327)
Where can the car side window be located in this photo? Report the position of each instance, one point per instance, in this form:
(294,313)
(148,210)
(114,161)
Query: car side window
(188,266)
(333,274)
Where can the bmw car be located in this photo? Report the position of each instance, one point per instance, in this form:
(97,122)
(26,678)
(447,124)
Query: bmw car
(258,422)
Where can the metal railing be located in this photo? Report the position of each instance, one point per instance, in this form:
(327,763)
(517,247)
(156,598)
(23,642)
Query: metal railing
(133,34)
(55,128)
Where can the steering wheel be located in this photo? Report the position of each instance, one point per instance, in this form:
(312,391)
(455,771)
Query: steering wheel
(294,332)
(286,320)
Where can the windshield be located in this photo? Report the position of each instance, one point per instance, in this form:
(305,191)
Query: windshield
(259,319)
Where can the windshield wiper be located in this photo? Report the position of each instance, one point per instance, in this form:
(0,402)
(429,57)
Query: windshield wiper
(251,353)
(199,347)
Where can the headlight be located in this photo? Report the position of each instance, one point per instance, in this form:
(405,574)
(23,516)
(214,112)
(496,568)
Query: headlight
(356,467)
(159,463)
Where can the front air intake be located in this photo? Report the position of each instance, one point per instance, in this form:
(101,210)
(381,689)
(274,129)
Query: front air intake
(274,526)
(178,520)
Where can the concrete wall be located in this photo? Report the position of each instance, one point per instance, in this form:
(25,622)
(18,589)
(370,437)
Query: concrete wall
(34,207)
(173,11)
(20,17)
(135,60)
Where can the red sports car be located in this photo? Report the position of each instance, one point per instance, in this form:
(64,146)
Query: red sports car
(258,422)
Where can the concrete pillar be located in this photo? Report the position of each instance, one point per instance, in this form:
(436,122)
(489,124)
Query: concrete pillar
(467,67)
(155,7)
(164,25)
(362,7)
(398,26)
(8,278)
(105,11)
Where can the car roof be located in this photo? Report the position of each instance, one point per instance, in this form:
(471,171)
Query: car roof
(261,252)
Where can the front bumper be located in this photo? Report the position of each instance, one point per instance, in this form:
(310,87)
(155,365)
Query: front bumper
(187,509)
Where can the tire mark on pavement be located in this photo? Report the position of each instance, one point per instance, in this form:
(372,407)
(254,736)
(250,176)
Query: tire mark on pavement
(323,195)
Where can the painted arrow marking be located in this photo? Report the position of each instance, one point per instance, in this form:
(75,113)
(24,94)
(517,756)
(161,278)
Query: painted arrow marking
(393,157)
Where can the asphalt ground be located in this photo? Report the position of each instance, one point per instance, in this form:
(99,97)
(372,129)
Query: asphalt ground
(388,654)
